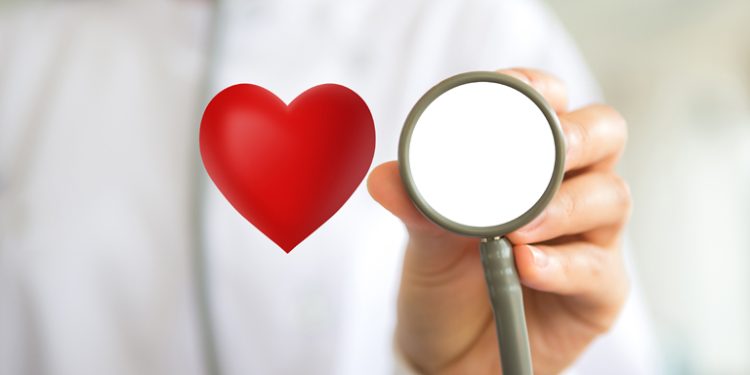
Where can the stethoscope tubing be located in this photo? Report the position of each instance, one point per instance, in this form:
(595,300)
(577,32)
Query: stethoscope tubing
(199,257)
(506,297)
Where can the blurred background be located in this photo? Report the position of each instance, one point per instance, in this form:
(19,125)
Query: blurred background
(679,71)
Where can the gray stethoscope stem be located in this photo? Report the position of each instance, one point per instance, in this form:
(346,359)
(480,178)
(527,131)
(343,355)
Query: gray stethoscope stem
(506,297)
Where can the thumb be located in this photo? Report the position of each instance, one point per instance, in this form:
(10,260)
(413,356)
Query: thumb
(386,187)
(439,300)
(429,244)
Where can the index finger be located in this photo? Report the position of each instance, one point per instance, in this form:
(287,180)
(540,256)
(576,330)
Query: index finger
(595,136)
(550,87)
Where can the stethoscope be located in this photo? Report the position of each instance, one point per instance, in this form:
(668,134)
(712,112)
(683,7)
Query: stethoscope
(481,154)
(207,332)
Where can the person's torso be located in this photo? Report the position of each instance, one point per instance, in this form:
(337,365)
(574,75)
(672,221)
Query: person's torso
(98,149)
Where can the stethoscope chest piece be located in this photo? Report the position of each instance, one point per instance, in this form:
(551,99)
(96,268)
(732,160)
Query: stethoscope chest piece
(481,154)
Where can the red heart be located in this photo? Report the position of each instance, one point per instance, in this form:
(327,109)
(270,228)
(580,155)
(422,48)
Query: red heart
(287,169)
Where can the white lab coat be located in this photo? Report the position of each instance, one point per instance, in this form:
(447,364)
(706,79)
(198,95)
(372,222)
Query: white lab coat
(99,216)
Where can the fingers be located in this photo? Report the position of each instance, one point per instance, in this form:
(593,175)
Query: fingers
(595,136)
(583,203)
(551,88)
(577,268)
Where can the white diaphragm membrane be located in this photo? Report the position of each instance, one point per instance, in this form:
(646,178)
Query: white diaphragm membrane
(481,154)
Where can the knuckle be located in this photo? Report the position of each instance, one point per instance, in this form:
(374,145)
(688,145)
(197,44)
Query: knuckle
(607,320)
(614,118)
(611,312)
(567,203)
(579,135)
(609,112)
(576,139)
(610,293)
(621,191)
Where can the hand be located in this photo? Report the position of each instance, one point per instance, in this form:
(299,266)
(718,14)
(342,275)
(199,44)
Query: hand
(569,258)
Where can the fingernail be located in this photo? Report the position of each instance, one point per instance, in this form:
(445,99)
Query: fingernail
(540,258)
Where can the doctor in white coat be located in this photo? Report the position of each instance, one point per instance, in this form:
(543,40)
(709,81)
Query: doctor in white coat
(118,255)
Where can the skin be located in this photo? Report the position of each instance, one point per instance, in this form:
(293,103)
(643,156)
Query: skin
(569,258)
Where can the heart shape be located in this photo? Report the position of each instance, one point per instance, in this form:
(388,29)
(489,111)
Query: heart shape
(287,169)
